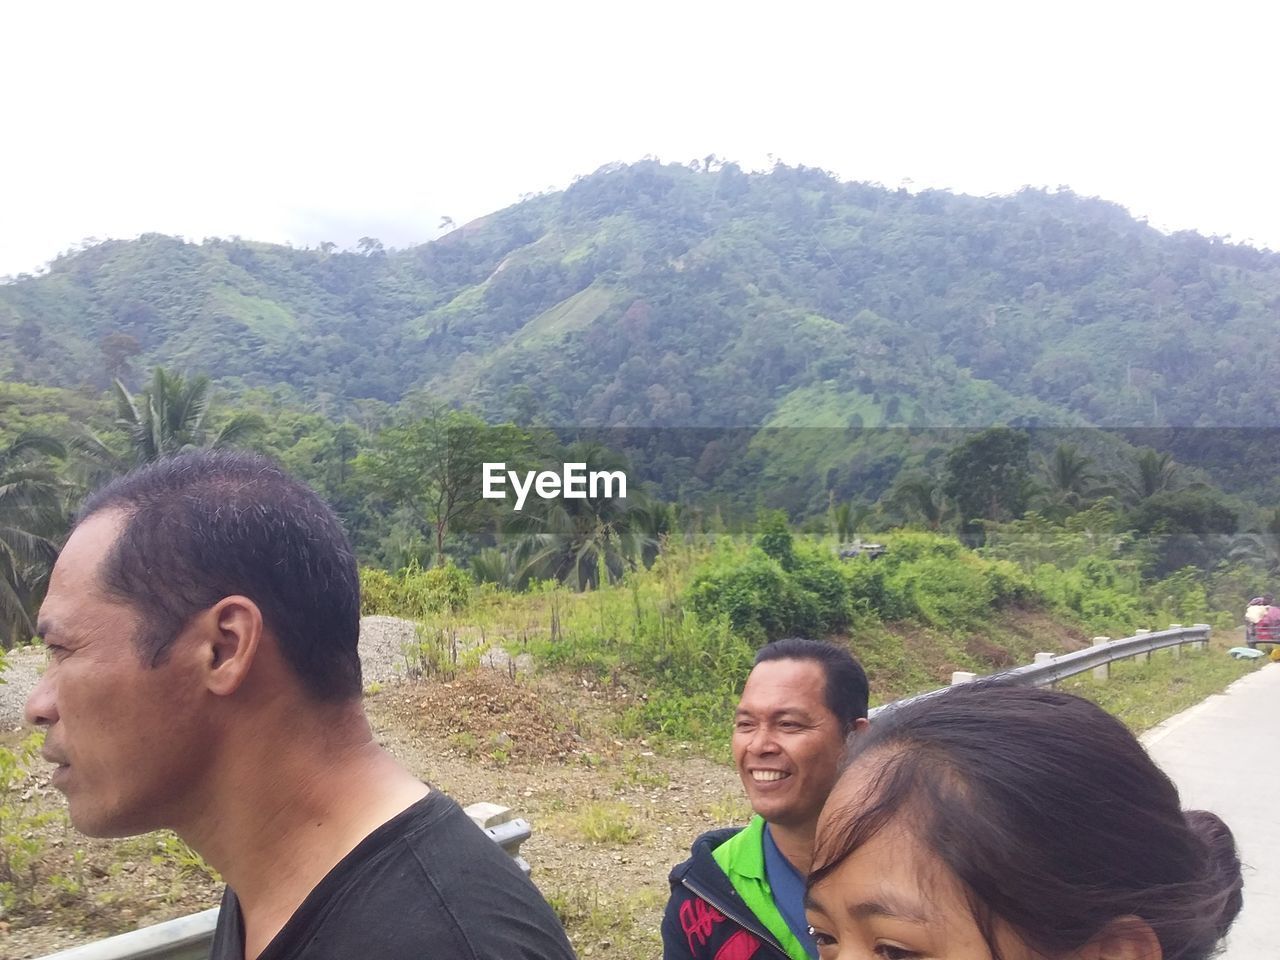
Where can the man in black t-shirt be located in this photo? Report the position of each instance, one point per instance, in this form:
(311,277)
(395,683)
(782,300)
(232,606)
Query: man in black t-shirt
(202,625)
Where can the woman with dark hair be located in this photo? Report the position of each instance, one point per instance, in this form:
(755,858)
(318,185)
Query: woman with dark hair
(1015,823)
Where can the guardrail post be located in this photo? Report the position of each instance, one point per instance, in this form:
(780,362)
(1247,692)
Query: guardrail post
(1141,657)
(1042,658)
(1177,647)
(1193,644)
(1102,673)
(1202,644)
(962,676)
(484,814)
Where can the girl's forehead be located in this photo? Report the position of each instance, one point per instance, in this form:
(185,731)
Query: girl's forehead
(895,875)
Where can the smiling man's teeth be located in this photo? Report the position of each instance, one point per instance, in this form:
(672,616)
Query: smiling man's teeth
(765,776)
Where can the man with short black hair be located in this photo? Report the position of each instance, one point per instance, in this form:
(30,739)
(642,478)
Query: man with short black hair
(202,624)
(741,894)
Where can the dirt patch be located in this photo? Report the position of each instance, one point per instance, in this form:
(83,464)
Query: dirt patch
(487,715)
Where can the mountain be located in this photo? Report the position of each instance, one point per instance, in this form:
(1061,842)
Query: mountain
(655,295)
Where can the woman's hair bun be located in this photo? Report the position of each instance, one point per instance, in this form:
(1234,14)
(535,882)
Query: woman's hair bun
(1224,880)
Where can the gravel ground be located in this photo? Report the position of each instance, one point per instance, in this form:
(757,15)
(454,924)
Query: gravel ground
(25,665)
(382,644)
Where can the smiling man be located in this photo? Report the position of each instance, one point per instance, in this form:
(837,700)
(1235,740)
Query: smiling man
(741,894)
(204,675)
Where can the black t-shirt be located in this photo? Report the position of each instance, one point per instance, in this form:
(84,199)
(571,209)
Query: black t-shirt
(426,885)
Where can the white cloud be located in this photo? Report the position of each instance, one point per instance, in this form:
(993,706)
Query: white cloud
(279,121)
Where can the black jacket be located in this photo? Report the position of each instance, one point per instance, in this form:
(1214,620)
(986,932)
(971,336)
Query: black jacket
(706,919)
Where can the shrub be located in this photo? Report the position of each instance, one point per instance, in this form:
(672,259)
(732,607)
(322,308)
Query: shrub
(755,595)
(378,591)
(948,593)
(1009,585)
(774,537)
(817,572)
(909,546)
(1104,593)
(760,598)
(934,578)
(415,593)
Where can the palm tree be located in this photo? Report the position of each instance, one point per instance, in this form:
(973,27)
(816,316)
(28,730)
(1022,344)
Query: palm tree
(847,517)
(920,497)
(1069,481)
(1154,473)
(575,540)
(31,514)
(1261,550)
(169,416)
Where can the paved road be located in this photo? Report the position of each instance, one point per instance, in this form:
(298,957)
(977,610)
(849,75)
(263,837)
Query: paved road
(1224,755)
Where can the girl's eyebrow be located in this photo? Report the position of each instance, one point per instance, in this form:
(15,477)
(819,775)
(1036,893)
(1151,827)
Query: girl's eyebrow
(895,911)
(872,908)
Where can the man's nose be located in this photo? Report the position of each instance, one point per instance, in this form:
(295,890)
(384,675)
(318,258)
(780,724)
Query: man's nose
(41,708)
(763,740)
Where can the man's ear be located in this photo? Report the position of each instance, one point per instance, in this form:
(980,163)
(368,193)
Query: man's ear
(853,728)
(234,634)
(1124,938)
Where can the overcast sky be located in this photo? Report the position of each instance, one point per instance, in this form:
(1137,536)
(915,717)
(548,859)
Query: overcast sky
(304,122)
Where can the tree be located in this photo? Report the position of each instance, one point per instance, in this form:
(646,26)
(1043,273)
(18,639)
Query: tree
(1069,481)
(988,474)
(1153,473)
(30,514)
(1190,528)
(774,537)
(1192,512)
(847,517)
(117,350)
(577,540)
(170,416)
(434,465)
(919,498)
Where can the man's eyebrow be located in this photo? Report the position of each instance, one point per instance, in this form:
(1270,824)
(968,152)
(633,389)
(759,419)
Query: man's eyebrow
(798,712)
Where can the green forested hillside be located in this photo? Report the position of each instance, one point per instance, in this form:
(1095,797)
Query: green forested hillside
(660,295)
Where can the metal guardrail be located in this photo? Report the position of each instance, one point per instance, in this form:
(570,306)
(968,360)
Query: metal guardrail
(1069,664)
(186,938)
(190,937)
